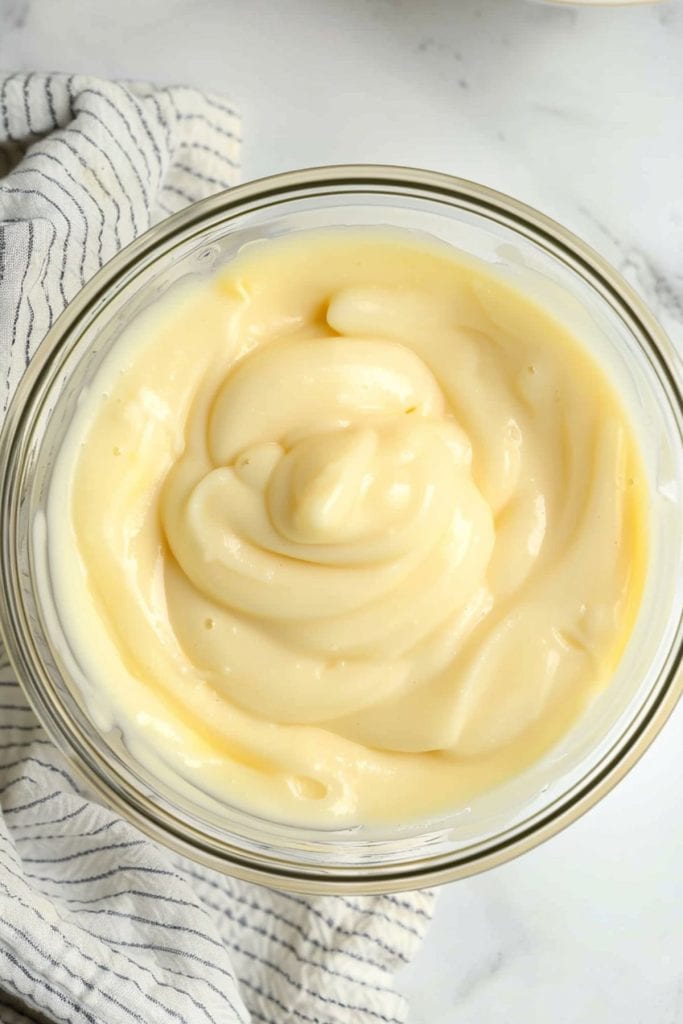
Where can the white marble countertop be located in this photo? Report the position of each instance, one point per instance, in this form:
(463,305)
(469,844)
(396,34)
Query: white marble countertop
(578,112)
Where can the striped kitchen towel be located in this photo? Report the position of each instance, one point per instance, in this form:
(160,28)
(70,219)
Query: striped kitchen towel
(98,925)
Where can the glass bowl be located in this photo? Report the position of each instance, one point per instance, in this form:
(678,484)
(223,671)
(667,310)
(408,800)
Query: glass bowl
(519,243)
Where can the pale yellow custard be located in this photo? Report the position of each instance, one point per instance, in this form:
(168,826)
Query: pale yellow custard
(349,533)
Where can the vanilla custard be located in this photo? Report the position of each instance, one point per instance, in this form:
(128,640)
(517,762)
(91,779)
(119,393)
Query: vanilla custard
(348,533)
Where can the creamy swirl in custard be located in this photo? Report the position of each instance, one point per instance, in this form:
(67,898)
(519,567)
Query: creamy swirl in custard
(352,531)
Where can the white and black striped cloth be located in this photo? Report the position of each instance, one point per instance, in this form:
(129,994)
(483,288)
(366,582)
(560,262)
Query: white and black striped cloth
(97,924)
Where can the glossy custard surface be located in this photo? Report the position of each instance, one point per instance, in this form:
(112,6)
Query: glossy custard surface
(350,532)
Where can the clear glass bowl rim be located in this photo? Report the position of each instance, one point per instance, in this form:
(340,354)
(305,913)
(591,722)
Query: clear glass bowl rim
(16,432)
